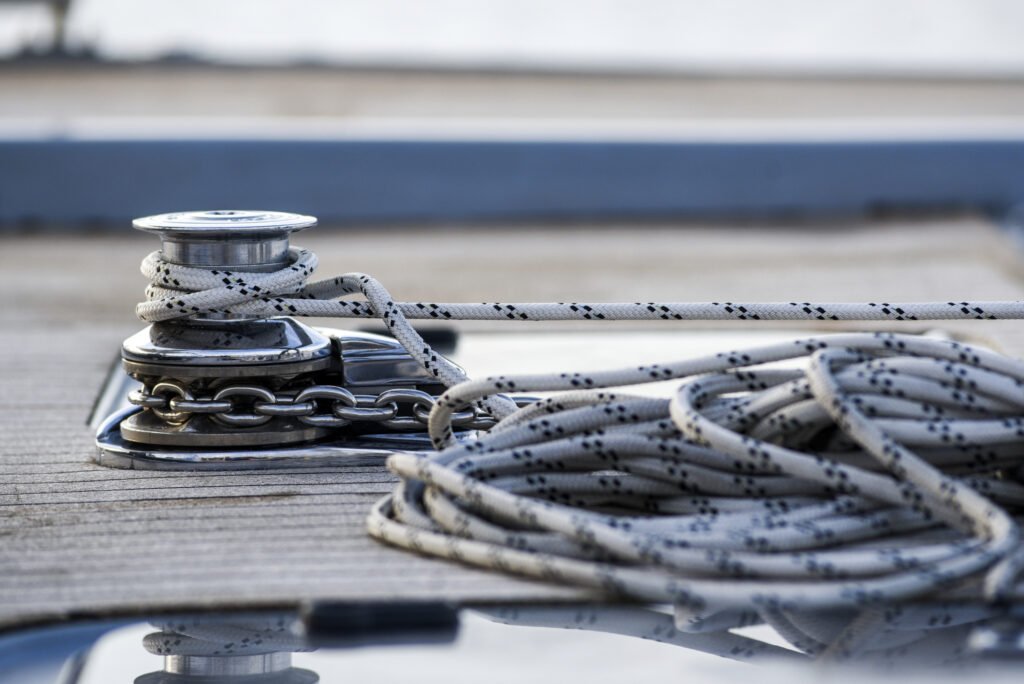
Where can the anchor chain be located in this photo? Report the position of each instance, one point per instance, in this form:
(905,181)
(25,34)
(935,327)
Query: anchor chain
(328,406)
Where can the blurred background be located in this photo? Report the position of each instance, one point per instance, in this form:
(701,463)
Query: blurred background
(905,37)
(459,110)
(908,37)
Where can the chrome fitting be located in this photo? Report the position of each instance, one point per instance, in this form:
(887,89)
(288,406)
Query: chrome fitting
(200,352)
(224,389)
(247,241)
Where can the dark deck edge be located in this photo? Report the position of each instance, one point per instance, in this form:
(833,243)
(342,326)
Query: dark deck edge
(75,182)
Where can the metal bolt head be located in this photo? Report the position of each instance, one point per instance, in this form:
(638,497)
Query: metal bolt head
(242,240)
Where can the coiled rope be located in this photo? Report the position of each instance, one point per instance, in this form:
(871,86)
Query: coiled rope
(885,468)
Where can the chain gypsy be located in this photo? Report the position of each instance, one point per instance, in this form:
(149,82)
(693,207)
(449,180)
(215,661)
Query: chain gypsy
(887,468)
(328,406)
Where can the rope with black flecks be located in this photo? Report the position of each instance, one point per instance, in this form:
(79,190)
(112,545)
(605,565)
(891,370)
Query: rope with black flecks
(931,634)
(238,636)
(881,468)
(177,291)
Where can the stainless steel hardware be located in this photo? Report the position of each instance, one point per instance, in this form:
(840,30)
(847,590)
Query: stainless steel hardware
(222,383)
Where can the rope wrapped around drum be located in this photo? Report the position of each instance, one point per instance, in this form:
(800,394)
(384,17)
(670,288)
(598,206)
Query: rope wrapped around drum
(866,468)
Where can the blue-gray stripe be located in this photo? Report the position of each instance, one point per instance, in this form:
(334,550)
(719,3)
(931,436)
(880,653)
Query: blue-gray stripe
(73,181)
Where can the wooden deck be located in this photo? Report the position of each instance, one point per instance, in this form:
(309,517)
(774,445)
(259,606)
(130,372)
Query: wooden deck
(77,539)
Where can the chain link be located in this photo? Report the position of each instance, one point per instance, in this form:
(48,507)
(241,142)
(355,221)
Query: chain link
(237,418)
(399,409)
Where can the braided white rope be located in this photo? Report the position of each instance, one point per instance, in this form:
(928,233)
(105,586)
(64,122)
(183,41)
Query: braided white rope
(285,293)
(642,623)
(898,635)
(240,636)
(885,469)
